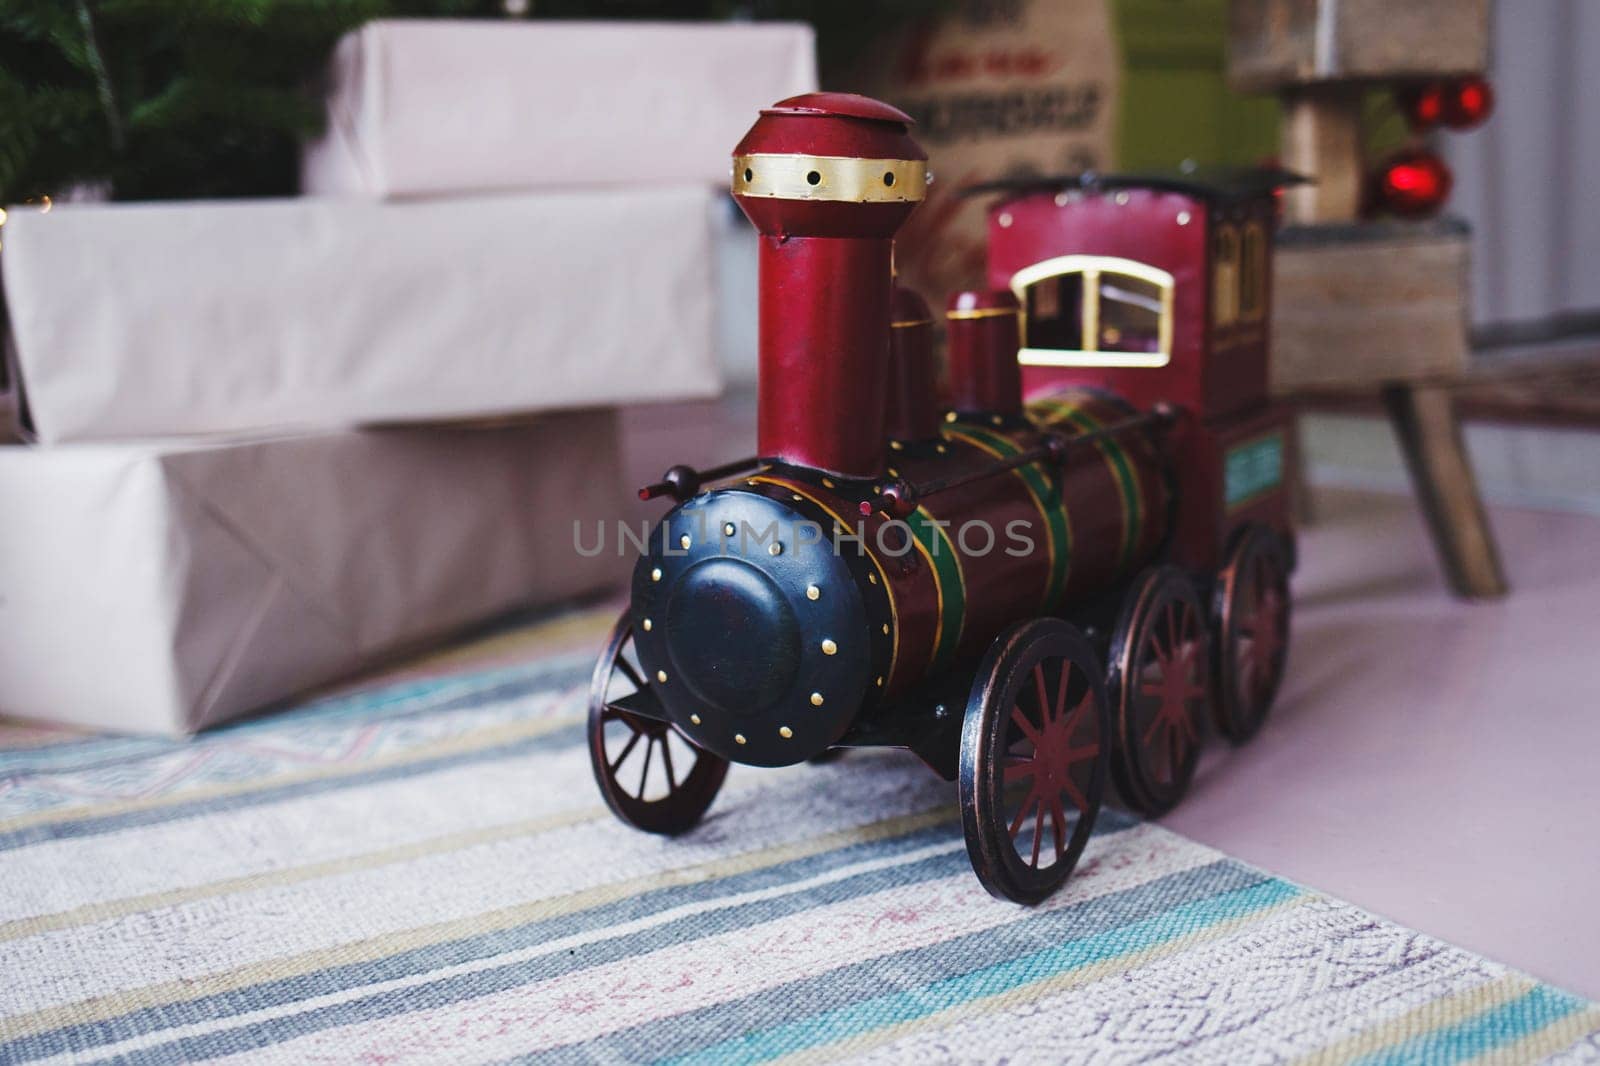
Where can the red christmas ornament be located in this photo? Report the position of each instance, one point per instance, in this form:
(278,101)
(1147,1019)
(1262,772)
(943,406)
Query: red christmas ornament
(1467,103)
(1424,104)
(1413,183)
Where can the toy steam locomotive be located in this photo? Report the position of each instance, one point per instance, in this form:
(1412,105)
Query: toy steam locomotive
(1030,598)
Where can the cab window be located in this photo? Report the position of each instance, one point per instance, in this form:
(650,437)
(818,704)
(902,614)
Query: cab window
(1083,310)
(1225,277)
(1253,273)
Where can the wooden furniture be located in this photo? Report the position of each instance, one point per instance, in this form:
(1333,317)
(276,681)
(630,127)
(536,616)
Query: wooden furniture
(1361,305)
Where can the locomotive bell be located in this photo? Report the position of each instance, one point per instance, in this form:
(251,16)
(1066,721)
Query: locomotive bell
(827,179)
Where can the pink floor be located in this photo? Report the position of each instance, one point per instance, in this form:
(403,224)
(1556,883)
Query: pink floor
(1436,762)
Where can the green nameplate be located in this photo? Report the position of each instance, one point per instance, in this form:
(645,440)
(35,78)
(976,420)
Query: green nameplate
(1253,468)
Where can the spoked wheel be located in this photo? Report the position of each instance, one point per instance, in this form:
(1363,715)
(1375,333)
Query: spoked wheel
(1252,619)
(1160,689)
(650,775)
(1033,759)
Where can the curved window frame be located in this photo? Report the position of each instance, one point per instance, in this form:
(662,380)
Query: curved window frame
(1253,272)
(1226,276)
(1093,267)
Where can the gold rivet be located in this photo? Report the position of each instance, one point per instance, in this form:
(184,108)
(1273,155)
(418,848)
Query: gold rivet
(752,481)
(1122,197)
(893,472)
(1005,220)
(886,629)
(797,496)
(655,575)
(785,732)
(738,738)
(949,416)
(775,549)
(661,676)
(880,682)
(813,593)
(648,625)
(872,578)
(896,445)
(940,448)
(729,529)
(997,420)
(827,483)
(695,718)
(1183,218)
(683,541)
(829,647)
(816,699)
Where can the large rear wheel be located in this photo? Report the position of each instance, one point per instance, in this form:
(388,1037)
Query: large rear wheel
(1252,625)
(1160,690)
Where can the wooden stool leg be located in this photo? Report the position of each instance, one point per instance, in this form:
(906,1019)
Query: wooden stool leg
(1424,420)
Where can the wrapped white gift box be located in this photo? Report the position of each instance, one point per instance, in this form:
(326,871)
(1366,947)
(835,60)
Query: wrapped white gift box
(429,106)
(154,320)
(160,588)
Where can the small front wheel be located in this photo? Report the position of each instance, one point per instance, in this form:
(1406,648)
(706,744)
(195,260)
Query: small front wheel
(651,776)
(1033,759)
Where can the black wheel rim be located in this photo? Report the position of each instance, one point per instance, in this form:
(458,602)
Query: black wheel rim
(1160,679)
(1033,760)
(1253,623)
(651,776)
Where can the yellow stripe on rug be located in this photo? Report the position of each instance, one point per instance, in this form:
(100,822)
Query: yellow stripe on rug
(504,733)
(1037,990)
(111,1006)
(1537,1046)
(459,841)
(1434,1014)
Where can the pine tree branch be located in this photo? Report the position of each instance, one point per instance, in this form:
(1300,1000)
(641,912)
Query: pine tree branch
(102,77)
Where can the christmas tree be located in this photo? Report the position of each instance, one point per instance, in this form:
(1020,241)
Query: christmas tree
(146,99)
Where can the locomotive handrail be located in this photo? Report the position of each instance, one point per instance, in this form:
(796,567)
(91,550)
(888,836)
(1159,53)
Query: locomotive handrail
(901,498)
(682,481)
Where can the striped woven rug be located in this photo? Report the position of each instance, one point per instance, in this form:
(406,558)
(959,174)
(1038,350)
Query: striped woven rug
(418,869)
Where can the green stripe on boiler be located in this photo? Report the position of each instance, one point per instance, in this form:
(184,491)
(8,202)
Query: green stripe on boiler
(1045,498)
(940,552)
(1122,473)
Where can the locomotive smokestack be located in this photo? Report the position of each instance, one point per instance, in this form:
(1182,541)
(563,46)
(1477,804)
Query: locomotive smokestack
(827,179)
(913,412)
(984,333)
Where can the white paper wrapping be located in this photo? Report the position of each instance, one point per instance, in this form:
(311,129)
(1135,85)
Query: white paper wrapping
(421,107)
(147,320)
(159,588)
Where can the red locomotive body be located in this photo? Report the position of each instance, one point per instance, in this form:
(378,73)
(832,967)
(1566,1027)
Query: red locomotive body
(1033,597)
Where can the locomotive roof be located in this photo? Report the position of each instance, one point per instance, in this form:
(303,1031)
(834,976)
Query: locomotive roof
(1212,185)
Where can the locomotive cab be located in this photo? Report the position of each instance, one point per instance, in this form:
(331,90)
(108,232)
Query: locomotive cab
(1155,288)
(1158,289)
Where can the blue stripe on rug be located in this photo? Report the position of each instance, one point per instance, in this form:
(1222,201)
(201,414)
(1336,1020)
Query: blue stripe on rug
(831,1027)
(391,702)
(1539,1007)
(566,736)
(606,949)
(488,945)
(909,975)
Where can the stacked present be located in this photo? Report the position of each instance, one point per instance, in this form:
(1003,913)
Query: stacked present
(241,479)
